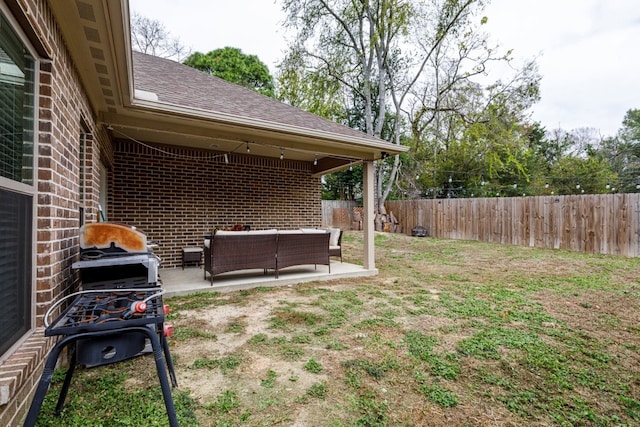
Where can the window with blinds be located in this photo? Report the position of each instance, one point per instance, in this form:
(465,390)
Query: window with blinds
(15,266)
(17,120)
(16,107)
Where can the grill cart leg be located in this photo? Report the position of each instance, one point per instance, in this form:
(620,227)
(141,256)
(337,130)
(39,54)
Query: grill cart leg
(47,373)
(45,381)
(167,357)
(67,382)
(162,375)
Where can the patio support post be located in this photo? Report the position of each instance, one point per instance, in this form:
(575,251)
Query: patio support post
(368,215)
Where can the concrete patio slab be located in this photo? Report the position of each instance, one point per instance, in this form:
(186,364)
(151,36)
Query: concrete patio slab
(177,281)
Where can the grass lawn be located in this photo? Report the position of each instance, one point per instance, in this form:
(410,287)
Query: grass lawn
(450,333)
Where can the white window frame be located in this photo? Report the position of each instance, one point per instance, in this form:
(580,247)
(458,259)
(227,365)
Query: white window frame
(28,189)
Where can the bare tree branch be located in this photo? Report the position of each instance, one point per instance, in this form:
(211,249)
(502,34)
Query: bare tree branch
(151,37)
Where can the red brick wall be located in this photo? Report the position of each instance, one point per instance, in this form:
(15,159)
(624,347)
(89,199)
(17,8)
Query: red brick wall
(64,113)
(176,195)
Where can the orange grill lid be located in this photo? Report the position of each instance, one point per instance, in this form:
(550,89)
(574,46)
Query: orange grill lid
(105,235)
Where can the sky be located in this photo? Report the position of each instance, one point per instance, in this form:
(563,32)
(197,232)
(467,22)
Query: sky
(588,51)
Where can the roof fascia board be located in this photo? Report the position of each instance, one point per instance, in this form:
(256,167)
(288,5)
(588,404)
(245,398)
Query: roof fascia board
(152,122)
(120,29)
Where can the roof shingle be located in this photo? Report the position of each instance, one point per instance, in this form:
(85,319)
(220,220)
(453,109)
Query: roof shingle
(178,84)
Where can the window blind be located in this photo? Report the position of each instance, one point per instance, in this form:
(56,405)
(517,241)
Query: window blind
(15,266)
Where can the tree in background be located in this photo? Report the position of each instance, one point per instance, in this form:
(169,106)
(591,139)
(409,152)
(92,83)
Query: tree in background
(578,175)
(348,43)
(344,185)
(232,65)
(475,142)
(151,37)
(630,131)
(467,130)
(310,90)
(622,152)
(399,61)
(347,184)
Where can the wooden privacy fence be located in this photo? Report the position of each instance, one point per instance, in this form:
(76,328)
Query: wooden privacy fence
(605,224)
(338,213)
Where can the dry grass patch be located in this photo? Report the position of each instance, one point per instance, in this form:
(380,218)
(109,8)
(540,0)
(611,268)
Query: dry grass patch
(448,334)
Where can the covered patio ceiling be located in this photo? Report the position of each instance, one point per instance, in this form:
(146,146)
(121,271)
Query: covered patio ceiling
(130,107)
(145,122)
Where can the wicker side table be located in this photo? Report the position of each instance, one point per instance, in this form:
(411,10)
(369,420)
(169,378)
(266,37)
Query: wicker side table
(191,254)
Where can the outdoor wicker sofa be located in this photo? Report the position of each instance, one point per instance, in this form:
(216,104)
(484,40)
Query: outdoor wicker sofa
(302,247)
(264,249)
(240,250)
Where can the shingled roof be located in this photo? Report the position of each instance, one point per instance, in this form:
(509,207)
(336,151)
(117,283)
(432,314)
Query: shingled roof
(177,84)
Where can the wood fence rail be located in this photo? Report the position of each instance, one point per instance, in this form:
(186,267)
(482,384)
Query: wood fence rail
(605,224)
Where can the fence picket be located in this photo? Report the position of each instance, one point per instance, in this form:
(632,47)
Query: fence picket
(599,223)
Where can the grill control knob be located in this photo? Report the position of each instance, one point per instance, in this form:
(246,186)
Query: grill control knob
(139,307)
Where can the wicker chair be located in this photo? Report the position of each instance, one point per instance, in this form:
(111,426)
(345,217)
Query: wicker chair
(336,250)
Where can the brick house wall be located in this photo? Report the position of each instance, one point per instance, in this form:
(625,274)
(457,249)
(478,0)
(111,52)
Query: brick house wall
(65,120)
(176,195)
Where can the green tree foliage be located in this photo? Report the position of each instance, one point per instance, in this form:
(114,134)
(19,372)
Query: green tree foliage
(575,175)
(232,65)
(551,148)
(622,153)
(476,144)
(630,131)
(311,90)
(401,63)
(522,160)
(344,185)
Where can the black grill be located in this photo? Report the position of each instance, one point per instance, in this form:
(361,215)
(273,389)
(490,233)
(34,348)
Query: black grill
(119,271)
(118,315)
(419,231)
